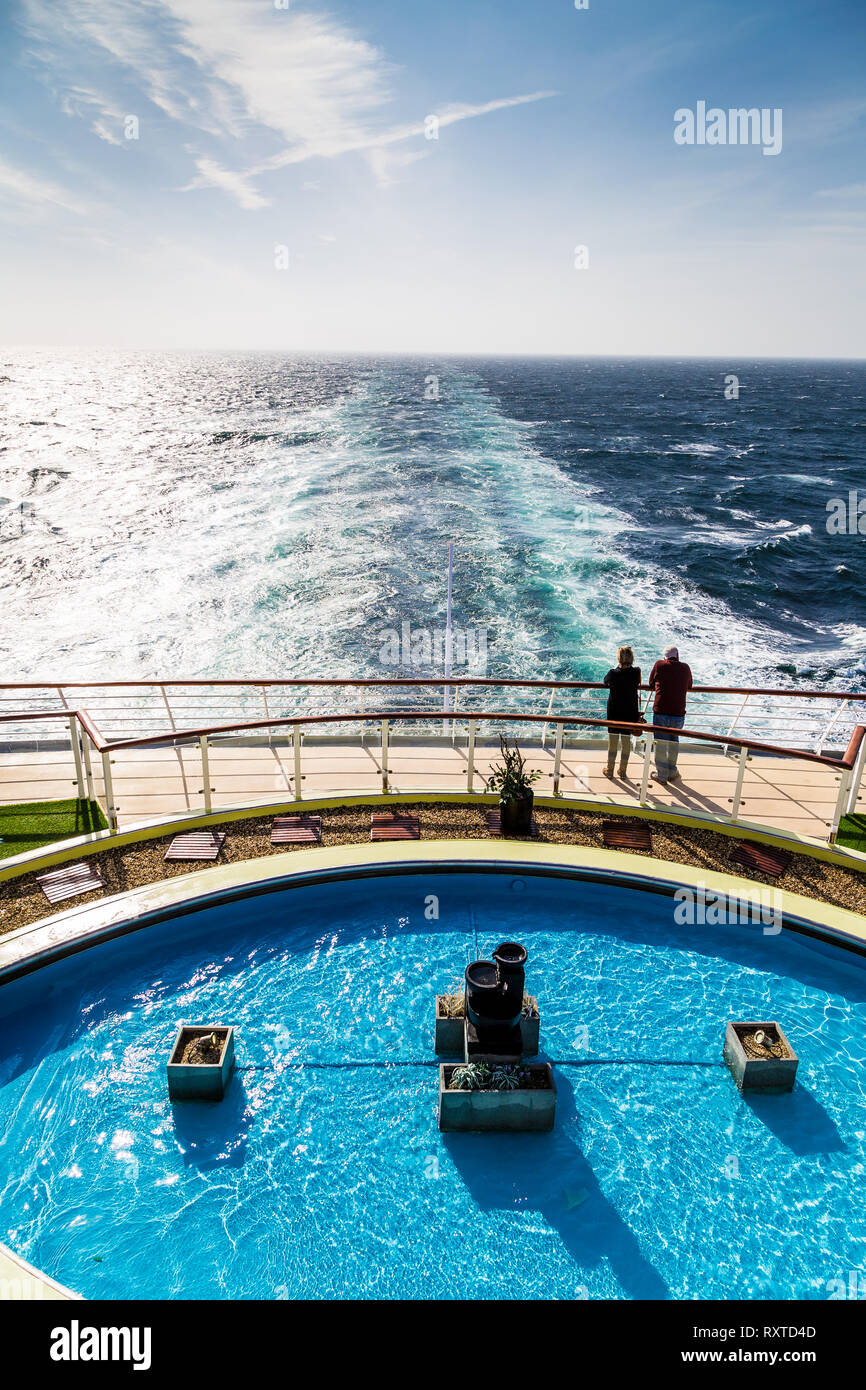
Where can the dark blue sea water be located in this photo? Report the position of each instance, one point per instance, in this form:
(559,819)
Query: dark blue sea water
(194,514)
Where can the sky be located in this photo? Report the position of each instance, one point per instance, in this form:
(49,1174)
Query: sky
(386,176)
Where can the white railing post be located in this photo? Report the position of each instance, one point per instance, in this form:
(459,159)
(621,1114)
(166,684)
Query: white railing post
(110,808)
(296,743)
(88,766)
(168,708)
(647,764)
(470,756)
(205,774)
(557,759)
(738,789)
(544,725)
(384,755)
(828,729)
(856,778)
(736,719)
(841,800)
(267,711)
(76,753)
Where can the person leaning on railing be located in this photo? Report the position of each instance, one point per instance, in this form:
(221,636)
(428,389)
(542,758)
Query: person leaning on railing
(623,682)
(672,680)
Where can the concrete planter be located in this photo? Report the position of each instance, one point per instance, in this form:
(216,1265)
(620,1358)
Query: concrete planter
(448,1040)
(497,1110)
(759,1073)
(195,1080)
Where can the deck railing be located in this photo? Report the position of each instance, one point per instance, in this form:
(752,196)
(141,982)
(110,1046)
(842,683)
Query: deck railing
(811,720)
(91,750)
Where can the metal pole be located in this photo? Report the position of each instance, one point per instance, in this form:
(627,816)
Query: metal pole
(557,759)
(168,708)
(857,778)
(88,767)
(296,740)
(110,809)
(470,756)
(448,652)
(205,774)
(647,763)
(76,753)
(841,799)
(384,755)
(738,790)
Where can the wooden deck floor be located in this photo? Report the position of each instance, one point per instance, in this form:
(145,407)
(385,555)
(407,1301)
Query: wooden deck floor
(782,793)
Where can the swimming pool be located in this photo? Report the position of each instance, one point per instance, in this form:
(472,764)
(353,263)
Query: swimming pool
(323,1174)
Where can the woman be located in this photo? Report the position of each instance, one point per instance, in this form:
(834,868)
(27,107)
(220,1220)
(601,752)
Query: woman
(623,682)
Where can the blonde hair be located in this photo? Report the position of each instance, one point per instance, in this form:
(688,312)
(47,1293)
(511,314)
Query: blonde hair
(625,656)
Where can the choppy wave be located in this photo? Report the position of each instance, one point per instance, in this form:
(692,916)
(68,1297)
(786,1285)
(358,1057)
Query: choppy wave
(209,514)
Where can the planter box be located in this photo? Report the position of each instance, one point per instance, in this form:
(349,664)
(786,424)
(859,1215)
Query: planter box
(448,1040)
(200,1081)
(491,1110)
(759,1073)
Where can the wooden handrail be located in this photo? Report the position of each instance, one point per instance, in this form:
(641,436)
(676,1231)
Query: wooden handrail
(517,716)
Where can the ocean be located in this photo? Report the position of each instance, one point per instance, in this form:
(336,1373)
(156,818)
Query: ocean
(195,514)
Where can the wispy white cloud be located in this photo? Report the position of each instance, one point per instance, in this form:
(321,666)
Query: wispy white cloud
(211,174)
(105,117)
(370,140)
(244,73)
(26,192)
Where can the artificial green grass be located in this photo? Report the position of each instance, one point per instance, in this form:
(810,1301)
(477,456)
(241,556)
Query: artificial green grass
(852,832)
(33,823)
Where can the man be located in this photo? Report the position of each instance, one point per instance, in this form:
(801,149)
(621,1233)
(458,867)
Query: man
(671,679)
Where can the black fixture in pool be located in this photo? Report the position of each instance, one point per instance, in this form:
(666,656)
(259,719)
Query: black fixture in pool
(494,1003)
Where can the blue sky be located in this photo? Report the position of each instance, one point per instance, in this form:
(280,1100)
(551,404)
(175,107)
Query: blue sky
(303,127)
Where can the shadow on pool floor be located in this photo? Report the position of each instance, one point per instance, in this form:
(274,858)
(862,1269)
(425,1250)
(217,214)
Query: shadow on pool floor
(503,1171)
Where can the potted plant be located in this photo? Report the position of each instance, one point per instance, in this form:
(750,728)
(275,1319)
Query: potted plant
(448,1041)
(484,1096)
(201,1062)
(513,782)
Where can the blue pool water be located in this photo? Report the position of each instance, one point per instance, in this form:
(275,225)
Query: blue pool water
(323,1172)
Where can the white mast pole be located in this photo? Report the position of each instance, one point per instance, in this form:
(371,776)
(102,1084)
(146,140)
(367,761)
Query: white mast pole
(448,647)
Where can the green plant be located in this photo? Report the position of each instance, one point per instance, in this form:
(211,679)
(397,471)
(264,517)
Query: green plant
(480,1076)
(451,1004)
(510,777)
(508,1078)
(470,1076)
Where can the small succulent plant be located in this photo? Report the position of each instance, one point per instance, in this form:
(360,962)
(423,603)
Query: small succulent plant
(480,1076)
(470,1076)
(509,1078)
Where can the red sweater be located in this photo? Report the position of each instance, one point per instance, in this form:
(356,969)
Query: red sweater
(671,680)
